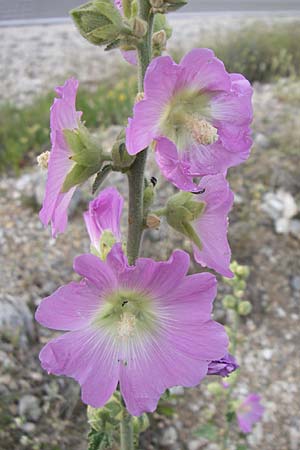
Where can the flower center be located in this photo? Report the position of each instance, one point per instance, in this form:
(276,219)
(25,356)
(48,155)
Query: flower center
(202,131)
(126,313)
(185,119)
(126,325)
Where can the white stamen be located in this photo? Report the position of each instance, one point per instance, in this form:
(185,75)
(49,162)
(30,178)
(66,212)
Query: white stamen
(43,160)
(126,326)
(202,131)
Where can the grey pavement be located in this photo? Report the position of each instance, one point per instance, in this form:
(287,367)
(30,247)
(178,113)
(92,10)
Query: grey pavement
(45,10)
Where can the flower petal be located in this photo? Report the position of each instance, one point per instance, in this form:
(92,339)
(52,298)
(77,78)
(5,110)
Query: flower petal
(203,71)
(70,307)
(213,223)
(87,356)
(96,271)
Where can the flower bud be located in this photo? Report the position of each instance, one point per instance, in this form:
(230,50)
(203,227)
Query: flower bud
(152,221)
(181,210)
(173,5)
(244,308)
(140,424)
(139,27)
(229,302)
(98,21)
(159,39)
(121,158)
(86,155)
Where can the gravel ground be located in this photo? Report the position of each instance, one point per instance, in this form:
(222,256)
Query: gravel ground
(33,405)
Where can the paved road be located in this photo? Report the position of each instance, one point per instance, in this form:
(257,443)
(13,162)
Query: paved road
(51,9)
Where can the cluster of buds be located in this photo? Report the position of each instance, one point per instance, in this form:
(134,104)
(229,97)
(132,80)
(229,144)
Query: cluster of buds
(235,301)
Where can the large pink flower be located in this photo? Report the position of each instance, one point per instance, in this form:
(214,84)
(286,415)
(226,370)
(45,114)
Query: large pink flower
(249,412)
(147,327)
(198,114)
(63,115)
(212,224)
(104,215)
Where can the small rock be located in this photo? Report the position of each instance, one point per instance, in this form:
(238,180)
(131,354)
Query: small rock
(28,427)
(169,436)
(295,227)
(196,444)
(296,283)
(16,321)
(262,141)
(29,407)
(177,390)
(281,207)
(267,353)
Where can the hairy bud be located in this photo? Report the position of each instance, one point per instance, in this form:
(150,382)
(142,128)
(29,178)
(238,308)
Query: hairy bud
(244,308)
(98,21)
(181,210)
(139,27)
(121,158)
(160,39)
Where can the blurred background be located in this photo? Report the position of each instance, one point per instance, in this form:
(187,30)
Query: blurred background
(39,49)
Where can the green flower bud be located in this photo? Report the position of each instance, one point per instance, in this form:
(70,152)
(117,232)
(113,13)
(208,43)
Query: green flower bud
(149,195)
(215,388)
(121,158)
(139,27)
(140,424)
(229,302)
(244,308)
(181,211)
(86,155)
(243,271)
(98,21)
(161,23)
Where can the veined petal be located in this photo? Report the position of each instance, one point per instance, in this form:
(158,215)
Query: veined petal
(87,356)
(96,271)
(71,307)
(213,223)
(203,71)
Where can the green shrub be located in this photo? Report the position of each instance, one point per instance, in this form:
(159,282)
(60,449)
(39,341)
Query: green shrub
(262,53)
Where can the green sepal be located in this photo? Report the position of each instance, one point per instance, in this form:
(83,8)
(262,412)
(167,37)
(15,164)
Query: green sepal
(181,211)
(78,175)
(100,177)
(127,8)
(83,146)
(149,195)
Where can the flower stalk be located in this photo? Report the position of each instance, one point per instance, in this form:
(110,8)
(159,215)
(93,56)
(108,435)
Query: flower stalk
(136,172)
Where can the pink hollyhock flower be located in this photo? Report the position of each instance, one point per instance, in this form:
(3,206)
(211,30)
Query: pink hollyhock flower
(104,215)
(198,114)
(249,412)
(129,55)
(224,366)
(63,115)
(212,224)
(147,327)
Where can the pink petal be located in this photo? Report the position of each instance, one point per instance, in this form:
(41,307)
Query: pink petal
(96,271)
(88,357)
(213,223)
(70,307)
(203,71)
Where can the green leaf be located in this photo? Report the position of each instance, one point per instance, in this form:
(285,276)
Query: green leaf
(98,440)
(242,447)
(208,431)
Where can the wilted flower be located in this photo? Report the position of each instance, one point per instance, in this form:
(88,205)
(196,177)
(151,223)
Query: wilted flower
(198,114)
(102,220)
(249,412)
(224,366)
(147,327)
(203,219)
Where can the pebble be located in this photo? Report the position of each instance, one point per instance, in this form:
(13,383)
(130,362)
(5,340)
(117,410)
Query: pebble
(296,283)
(29,407)
(169,436)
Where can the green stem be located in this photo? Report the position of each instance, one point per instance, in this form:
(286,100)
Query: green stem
(236,321)
(160,212)
(126,431)
(136,172)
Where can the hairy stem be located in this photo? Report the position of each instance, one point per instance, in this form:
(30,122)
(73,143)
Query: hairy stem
(136,172)
(126,431)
